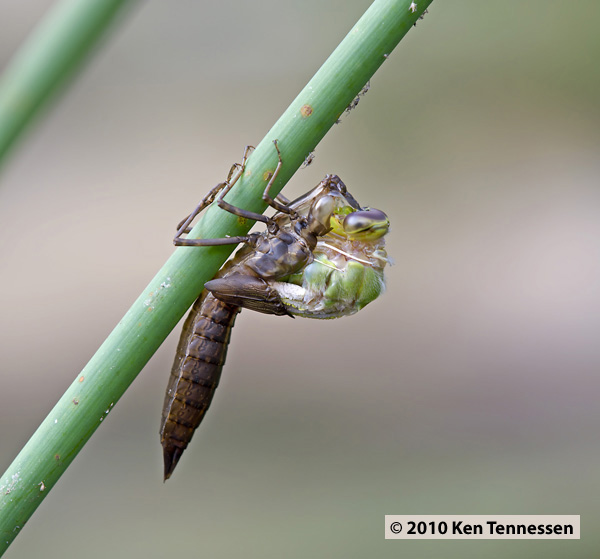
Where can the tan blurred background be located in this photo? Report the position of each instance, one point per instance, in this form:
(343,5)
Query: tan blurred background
(471,387)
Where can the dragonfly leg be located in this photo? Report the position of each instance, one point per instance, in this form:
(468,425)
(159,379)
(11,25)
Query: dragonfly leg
(217,192)
(280,202)
(282,199)
(247,214)
(232,178)
(250,292)
(184,225)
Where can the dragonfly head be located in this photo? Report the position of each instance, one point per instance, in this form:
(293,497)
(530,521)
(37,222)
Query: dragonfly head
(362,225)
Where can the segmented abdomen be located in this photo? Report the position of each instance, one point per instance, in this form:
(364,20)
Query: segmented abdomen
(195,374)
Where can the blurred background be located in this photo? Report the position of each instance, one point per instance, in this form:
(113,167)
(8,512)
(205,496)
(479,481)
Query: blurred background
(471,387)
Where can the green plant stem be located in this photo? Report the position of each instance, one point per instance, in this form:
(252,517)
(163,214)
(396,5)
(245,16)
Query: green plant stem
(51,55)
(158,309)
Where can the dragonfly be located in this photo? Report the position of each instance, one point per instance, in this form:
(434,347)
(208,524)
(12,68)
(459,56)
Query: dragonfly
(321,256)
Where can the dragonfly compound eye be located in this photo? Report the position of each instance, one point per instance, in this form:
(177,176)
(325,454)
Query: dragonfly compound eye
(366,224)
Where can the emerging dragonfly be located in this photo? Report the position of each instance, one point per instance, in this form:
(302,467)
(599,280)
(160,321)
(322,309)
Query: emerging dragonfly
(321,256)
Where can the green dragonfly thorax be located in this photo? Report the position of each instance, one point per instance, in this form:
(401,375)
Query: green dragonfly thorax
(346,270)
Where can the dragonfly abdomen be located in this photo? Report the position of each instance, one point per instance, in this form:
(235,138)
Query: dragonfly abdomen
(195,374)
